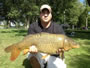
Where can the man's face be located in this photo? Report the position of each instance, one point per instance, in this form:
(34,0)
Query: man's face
(45,16)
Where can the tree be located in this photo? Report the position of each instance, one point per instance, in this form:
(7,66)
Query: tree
(73,13)
(84,17)
(64,11)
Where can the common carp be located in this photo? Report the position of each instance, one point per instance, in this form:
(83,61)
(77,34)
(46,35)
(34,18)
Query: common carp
(45,42)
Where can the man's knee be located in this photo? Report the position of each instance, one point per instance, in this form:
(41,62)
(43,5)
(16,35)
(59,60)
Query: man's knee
(34,62)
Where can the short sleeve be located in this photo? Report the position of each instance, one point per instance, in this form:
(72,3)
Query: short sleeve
(31,29)
(58,29)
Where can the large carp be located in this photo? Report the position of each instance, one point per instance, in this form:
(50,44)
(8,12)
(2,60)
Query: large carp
(45,42)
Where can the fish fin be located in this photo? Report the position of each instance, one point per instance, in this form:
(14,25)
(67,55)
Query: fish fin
(14,54)
(66,48)
(43,57)
(9,48)
(61,55)
(25,51)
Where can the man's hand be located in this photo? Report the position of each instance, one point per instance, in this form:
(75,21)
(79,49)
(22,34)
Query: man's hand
(60,51)
(33,49)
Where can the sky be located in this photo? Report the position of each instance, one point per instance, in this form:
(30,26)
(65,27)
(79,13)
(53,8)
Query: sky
(82,1)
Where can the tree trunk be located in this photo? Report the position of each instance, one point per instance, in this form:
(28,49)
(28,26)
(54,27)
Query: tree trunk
(17,24)
(86,23)
(8,24)
(73,27)
(27,22)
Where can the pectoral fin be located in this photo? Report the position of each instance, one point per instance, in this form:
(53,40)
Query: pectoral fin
(62,55)
(25,51)
(43,57)
(14,54)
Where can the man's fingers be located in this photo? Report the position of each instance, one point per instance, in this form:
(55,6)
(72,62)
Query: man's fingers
(33,49)
(59,50)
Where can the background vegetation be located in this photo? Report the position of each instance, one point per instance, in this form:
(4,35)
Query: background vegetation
(71,12)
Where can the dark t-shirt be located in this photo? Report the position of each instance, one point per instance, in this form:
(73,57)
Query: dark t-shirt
(54,28)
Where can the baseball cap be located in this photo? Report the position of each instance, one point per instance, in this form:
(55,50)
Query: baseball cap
(45,6)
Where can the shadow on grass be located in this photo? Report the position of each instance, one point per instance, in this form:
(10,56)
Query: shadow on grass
(81,36)
(19,32)
(87,42)
(80,61)
(26,63)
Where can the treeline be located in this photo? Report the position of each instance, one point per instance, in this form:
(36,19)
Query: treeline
(71,12)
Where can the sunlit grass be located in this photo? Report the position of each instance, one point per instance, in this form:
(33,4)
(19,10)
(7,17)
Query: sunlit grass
(75,58)
(79,58)
(8,37)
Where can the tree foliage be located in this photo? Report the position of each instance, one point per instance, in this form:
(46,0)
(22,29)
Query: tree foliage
(84,17)
(27,11)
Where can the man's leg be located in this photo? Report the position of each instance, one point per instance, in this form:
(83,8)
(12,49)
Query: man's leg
(34,62)
(55,62)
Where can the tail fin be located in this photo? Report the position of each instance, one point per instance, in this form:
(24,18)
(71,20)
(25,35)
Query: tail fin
(9,48)
(14,54)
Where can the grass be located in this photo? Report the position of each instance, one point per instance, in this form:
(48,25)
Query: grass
(75,58)
(79,58)
(7,37)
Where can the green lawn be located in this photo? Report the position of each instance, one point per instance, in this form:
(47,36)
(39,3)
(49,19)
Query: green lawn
(75,58)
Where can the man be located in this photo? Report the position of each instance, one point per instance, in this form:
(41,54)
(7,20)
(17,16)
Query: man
(45,24)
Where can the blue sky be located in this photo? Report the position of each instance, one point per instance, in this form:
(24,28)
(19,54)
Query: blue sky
(82,1)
